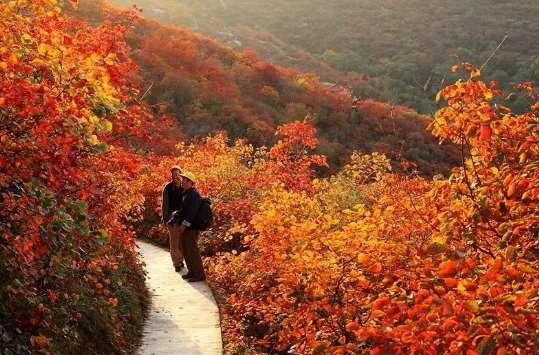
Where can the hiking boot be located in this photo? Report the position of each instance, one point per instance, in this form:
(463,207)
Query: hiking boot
(196,279)
(187,276)
(178,268)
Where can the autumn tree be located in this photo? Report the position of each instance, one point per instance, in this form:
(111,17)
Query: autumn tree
(69,120)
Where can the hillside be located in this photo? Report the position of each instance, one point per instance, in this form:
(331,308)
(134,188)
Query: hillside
(97,108)
(208,86)
(397,51)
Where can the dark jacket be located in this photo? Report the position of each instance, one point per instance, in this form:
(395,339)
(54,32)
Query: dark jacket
(172,200)
(191,202)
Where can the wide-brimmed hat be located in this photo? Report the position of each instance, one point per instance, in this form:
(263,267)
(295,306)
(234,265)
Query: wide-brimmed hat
(189,175)
(175,167)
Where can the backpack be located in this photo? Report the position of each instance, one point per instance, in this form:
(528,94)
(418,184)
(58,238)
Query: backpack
(204,217)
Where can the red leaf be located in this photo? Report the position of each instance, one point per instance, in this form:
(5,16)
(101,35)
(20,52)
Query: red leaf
(485,132)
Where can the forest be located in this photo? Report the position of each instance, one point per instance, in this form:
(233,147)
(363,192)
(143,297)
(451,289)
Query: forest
(395,51)
(342,224)
(208,86)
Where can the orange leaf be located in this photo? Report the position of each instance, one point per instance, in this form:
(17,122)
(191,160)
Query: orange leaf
(513,273)
(380,302)
(363,282)
(113,301)
(521,301)
(495,292)
(511,189)
(507,180)
(439,290)
(375,268)
(377,314)
(364,259)
(42,341)
(451,282)
(352,326)
(447,268)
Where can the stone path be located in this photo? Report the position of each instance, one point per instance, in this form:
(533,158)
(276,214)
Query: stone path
(184,318)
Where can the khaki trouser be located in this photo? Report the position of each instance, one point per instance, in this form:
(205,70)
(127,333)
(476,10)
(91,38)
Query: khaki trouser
(176,252)
(189,241)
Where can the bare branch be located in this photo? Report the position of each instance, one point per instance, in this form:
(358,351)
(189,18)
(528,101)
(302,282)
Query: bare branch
(493,52)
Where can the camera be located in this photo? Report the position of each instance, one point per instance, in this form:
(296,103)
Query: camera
(175,217)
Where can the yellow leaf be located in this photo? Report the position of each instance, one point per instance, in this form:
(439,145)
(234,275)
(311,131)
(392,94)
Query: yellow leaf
(93,118)
(42,49)
(53,53)
(110,59)
(94,57)
(473,306)
(475,73)
(26,38)
(13,58)
(522,158)
(461,287)
(107,126)
(526,268)
(438,96)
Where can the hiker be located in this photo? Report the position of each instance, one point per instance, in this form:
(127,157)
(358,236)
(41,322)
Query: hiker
(172,201)
(189,231)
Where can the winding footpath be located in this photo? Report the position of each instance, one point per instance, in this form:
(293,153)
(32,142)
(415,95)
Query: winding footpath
(184,318)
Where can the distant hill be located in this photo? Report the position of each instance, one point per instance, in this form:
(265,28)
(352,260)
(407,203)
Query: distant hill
(209,86)
(399,51)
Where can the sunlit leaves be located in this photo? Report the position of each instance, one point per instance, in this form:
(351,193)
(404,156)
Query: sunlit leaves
(406,265)
(62,200)
(364,260)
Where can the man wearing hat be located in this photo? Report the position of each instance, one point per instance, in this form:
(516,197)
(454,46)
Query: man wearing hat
(189,233)
(172,201)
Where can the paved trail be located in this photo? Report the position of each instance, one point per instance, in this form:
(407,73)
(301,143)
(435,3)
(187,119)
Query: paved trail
(183,318)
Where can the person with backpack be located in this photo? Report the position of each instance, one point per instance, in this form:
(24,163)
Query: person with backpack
(171,206)
(189,230)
